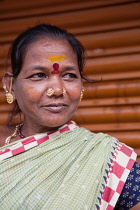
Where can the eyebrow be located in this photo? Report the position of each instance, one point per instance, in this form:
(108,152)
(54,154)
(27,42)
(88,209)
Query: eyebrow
(38,68)
(71,68)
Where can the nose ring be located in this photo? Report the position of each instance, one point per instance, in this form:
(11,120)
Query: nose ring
(51,92)
(64,91)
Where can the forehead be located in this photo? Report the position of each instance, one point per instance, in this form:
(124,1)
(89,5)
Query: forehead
(47,51)
(49,45)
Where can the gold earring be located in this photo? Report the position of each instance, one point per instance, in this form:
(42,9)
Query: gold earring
(9,96)
(81,95)
(50,92)
(64,91)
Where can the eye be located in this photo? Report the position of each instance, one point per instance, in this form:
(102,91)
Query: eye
(37,76)
(70,76)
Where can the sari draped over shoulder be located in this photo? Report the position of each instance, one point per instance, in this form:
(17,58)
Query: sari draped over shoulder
(67,169)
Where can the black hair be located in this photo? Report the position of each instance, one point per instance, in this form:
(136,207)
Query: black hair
(20,44)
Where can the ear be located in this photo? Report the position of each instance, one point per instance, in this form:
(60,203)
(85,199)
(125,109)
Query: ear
(7,82)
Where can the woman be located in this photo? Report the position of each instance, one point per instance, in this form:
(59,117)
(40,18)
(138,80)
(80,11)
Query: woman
(47,161)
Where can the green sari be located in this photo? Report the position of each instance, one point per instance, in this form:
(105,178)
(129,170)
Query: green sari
(69,170)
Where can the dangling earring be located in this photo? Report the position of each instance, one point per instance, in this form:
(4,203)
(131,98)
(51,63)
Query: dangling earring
(81,96)
(9,96)
(64,91)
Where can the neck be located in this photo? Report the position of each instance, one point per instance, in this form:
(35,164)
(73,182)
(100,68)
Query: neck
(29,129)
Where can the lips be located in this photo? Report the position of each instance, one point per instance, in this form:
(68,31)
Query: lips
(59,107)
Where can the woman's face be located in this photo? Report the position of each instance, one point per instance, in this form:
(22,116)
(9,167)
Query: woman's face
(37,76)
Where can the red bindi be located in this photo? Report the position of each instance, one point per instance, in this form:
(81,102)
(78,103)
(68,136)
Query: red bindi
(55,67)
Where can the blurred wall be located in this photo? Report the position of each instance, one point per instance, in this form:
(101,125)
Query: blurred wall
(110,31)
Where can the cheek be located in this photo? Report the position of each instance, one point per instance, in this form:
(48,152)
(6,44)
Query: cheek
(75,91)
(28,93)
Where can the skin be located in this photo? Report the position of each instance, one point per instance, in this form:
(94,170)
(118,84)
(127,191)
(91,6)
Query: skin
(136,207)
(43,113)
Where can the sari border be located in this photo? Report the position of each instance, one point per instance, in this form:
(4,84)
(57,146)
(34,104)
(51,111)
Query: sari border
(123,160)
(34,141)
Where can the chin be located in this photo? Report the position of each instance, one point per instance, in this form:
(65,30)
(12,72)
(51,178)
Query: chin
(56,123)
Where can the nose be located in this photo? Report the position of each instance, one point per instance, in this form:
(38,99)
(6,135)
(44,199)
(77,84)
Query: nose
(57,85)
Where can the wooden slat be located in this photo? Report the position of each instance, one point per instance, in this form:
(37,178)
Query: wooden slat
(42,7)
(82,18)
(116,76)
(2,97)
(111,94)
(99,52)
(9,5)
(110,101)
(108,114)
(111,39)
(112,89)
(129,138)
(105,127)
(89,28)
(123,63)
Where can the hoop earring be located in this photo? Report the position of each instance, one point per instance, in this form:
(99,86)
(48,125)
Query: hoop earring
(9,96)
(81,95)
(64,91)
(50,92)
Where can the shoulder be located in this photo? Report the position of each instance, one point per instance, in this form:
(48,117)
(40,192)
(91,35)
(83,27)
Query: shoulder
(98,136)
(101,140)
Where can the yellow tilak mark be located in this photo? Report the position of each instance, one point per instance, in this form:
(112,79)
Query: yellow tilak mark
(57,58)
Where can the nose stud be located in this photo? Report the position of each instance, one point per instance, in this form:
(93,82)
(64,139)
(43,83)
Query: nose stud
(51,92)
(64,91)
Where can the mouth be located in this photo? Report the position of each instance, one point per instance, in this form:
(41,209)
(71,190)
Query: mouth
(59,107)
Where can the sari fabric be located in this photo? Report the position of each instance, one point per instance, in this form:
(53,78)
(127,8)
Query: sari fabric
(67,170)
